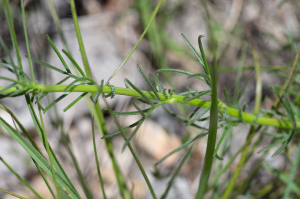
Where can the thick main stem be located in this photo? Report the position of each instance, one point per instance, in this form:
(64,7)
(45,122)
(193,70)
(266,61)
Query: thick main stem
(248,117)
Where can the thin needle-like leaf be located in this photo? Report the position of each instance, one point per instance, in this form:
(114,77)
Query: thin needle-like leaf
(75,101)
(83,79)
(95,98)
(20,178)
(181,147)
(96,158)
(140,92)
(74,62)
(51,67)
(227,98)
(182,119)
(13,194)
(55,101)
(198,116)
(170,183)
(200,94)
(123,129)
(221,140)
(194,51)
(37,157)
(148,82)
(58,54)
(138,108)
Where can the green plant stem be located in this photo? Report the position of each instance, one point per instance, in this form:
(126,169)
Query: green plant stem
(248,117)
(80,42)
(212,135)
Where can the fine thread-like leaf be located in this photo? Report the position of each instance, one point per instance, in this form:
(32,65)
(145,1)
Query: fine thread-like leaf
(57,165)
(51,67)
(56,100)
(13,194)
(292,173)
(138,108)
(89,80)
(96,96)
(201,93)
(170,183)
(9,56)
(37,157)
(182,119)
(274,144)
(286,143)
(203,77)
(198,116)
(140,92)
(124,129)
(44,178)
(148,82)
(132,152)
(181,147)
(182,72)
(75,101)
(294,187)
(58,54)
(20,178)
(74,62)
(220,142)
(128,113)
(158,83)
(96,158)
(13,33)
(139,125)
(112,93)
(137,43)
(275,135)
(193,92)
(194,51)
(45,140)
(227,98)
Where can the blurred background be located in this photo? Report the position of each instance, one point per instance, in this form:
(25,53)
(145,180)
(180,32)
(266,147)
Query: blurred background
(110,28)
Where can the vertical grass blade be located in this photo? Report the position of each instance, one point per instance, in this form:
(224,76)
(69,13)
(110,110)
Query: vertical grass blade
(212,134)
(20,178)
(38,158)
(79,39)
(12,33)
(48,151)
(96,159)
(26,40)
